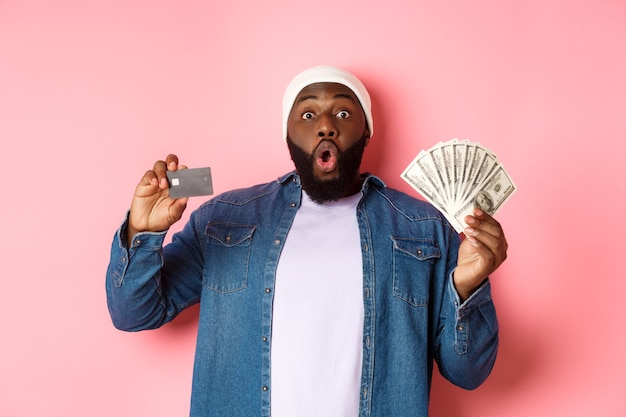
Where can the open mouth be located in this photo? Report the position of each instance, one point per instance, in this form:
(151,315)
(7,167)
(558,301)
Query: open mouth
(326,156)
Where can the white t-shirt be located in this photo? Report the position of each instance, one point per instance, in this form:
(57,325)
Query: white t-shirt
(317,326)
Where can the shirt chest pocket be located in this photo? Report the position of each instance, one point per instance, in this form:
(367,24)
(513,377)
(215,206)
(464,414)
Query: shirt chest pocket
(227,256)
(414,263)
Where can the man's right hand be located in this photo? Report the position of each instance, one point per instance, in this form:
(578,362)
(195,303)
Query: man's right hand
(152,209)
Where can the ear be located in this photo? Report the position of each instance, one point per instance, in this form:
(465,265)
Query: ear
(366,134)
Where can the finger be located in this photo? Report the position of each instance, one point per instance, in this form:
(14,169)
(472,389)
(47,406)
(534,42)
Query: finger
(148,179)
(483,241)
(484,222)
(480,238)
(486,229)
(160,170)
(482,215)
(175,210)
(476,228)
(481,247)
(179,207)
(171,162)
(161,167)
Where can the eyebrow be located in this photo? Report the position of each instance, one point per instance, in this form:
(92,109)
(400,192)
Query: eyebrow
(314,97)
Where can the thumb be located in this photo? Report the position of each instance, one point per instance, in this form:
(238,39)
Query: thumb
(177,209)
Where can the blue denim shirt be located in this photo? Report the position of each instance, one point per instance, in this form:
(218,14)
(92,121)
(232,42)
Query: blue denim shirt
(226,256)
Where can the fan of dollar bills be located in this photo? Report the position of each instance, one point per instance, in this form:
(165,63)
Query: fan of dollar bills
(458,175)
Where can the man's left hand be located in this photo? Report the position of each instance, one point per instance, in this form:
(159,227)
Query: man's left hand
(481,252)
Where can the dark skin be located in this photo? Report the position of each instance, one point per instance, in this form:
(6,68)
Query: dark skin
(325,117)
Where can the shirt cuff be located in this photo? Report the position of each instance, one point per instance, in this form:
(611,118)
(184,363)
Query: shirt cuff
(480,296)
(122,253)
(151,239)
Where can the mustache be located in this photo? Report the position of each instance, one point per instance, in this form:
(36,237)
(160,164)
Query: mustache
(358,145)
(349,161)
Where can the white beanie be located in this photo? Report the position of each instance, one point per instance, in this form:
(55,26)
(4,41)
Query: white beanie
(326,74)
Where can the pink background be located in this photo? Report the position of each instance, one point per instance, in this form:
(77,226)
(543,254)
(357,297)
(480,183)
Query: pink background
(92,92)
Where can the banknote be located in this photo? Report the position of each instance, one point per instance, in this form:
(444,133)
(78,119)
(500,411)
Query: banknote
(458,175)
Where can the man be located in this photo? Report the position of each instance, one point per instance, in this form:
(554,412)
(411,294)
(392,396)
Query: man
(323,293)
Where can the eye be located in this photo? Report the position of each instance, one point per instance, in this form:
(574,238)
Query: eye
(343,114)
(307,115)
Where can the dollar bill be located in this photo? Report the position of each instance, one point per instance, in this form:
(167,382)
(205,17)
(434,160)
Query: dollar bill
(412,175)
(458,175)
(489,196)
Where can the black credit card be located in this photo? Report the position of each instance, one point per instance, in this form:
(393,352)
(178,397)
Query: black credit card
(190,182)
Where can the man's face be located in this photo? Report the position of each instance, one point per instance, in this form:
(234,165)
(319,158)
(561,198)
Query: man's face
(484,202)
(327,133)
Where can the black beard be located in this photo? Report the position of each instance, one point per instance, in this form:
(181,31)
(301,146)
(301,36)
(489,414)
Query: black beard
(321,191)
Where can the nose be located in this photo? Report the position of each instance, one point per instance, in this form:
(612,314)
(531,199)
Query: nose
(326,126)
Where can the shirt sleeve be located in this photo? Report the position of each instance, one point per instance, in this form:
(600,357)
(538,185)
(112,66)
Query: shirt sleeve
(468,343)
(144,287)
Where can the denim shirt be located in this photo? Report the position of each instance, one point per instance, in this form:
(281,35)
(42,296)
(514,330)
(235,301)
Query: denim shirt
(226,257)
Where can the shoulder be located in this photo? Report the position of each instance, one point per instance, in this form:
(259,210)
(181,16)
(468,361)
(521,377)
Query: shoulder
(399,201)
(255,193)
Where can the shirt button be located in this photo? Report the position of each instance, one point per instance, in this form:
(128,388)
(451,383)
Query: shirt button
(268,290)
(277,242)
(264,339)
(293,204)
(265,388)
(459,328)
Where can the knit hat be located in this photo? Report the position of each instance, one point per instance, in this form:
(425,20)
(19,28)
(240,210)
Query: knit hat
(326,74)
